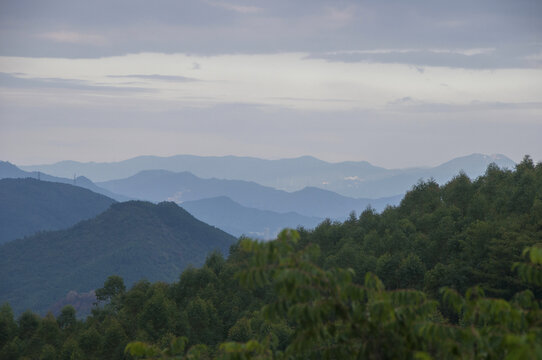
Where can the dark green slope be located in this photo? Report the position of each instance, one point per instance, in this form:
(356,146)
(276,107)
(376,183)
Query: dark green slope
(29,205)
(134,239)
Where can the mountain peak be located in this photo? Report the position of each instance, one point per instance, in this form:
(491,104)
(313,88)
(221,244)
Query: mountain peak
(134,239)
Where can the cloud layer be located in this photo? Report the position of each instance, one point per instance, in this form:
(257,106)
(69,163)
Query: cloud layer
(76,28)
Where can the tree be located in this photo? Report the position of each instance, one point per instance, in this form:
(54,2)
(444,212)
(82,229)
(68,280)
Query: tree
(66,320)
(113,287)
(8,327)
(336,319)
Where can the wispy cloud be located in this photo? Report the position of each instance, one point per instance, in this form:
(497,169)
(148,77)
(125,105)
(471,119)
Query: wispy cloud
(470,58)
(242,9)
(16,81)
(466,52)
(411,104)
(172,78)
(294,99)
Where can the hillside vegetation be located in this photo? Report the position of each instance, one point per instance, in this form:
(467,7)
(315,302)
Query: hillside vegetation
(440,276)
(136,240)
(29,205)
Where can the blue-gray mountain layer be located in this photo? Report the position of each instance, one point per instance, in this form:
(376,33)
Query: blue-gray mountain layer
(29,205)
(238,220)
(161,185)
(358,179)
(8,170)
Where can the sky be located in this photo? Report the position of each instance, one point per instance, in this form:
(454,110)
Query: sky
(396,83)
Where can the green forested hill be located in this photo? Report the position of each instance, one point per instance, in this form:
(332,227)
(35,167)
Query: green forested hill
(316,298)
(135,240)
(461,234)
(29,205)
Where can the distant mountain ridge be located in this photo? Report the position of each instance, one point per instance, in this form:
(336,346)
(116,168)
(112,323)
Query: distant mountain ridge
(358,179)
(241,220)
(29,205)
(161,185)
(238,220)
(135,240)
(8,170)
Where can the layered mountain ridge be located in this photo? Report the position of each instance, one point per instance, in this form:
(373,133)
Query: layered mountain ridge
(358,179)
(29,205)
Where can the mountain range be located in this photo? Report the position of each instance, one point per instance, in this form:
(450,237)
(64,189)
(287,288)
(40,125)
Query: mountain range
(139,239)
(239,220)
(29,205)
(135,240)
(161,185)
(8,170)
(25,220)
(358,179)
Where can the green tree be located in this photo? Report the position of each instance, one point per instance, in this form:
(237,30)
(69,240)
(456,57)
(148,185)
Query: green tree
(158,316)
(49,331)
(28,324)
(204,323)
(48,353)
(113,287)
(335,318)
(71,351)
(8,326)
(90,342)
(67,320)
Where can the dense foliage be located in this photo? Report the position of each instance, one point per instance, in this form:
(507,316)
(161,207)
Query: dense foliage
(459,235)
(452,280)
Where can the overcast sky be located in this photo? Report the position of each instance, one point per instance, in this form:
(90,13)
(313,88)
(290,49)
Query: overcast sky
(396,83)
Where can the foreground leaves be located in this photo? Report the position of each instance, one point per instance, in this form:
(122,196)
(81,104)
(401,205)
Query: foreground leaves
(333,318)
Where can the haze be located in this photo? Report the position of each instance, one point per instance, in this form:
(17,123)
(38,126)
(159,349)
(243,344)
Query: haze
(391,82)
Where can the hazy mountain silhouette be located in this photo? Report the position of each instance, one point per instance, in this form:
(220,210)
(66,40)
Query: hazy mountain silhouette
(351,178)
(29,205)
(160,185)
(238,220)
(473,165)
(134,240)
(8,170)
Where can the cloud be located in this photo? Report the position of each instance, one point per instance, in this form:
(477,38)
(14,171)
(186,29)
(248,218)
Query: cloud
(461,33)
(466,52)
(407,100)
(16,81)
(73,37)
(242,9)
(419,106)
(172,78)
(316,100)
(469,58)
